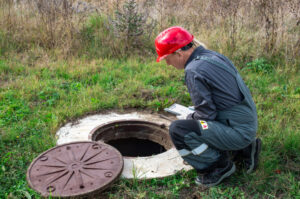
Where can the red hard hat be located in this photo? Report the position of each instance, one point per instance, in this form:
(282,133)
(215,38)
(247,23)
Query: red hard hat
(170,40)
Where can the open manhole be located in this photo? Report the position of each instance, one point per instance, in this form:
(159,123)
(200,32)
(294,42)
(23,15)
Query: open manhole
(142,138)
(91,152)
(134,138)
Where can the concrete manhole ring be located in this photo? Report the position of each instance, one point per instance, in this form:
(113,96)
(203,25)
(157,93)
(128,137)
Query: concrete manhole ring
(134,138)
(142,129)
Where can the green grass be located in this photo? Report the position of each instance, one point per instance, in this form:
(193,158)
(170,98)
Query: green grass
(33,101)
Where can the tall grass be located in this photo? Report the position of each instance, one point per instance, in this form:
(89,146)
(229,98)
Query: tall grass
(244,29)
(60,31)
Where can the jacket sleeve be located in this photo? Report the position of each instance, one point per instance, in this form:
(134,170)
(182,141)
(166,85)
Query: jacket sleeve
(200,92)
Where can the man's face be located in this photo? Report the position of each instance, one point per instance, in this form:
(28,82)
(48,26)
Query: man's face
(176,60)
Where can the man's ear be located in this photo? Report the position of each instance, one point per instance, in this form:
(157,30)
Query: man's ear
(180,53)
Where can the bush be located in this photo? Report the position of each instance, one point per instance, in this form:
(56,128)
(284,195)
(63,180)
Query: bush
(133,28)
(259,65)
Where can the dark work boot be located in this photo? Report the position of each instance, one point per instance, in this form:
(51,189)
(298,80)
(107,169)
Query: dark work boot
(250,155)
(215,176)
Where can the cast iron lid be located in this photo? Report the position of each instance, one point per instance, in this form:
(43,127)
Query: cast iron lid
(75,169)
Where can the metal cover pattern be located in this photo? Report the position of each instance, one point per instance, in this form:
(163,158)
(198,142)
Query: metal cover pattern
(75,169)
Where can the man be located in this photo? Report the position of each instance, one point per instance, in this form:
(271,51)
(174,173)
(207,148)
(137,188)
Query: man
(225,117)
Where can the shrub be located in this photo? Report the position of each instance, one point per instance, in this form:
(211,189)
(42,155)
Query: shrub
(259,65)
(132,27)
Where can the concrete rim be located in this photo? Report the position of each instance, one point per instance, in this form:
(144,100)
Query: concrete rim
(156,166)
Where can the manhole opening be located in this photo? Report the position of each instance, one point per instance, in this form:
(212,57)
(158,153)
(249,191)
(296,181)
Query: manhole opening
(133,147)
(134,138)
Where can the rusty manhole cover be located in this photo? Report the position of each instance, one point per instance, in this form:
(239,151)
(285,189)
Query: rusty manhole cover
(75,169)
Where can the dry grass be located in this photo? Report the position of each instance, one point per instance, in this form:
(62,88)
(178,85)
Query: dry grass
(265,27)
(41,23)
(252,27)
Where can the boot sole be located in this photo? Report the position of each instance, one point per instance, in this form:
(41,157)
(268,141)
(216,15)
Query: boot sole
(227,174)
(256,148)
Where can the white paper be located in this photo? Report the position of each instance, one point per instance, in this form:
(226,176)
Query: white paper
(178,109)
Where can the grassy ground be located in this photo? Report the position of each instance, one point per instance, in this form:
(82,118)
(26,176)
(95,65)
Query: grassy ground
(38,96)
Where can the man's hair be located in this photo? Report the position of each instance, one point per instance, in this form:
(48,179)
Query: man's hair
(195,43)
(188,46)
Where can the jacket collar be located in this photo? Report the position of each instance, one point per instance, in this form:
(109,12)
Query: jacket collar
(195,53)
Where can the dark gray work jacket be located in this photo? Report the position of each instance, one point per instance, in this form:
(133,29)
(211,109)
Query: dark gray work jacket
(240,115)
(211,88)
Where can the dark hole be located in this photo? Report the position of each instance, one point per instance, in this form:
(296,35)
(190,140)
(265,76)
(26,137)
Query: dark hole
(133,147)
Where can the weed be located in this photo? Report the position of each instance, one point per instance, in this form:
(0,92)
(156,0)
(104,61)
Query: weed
(12,109)
(260,65)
